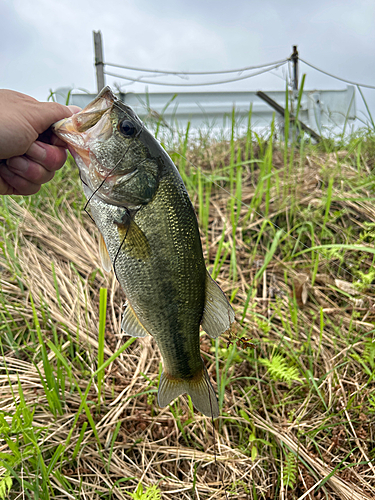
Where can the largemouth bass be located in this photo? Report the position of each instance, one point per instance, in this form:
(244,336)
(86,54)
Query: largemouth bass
(150,236)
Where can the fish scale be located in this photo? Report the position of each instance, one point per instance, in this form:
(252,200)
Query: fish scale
(165,290)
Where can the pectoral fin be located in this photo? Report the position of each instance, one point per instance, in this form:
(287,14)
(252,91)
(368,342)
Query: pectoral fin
(218,314)
(133,239)
(104,256)
(131,324)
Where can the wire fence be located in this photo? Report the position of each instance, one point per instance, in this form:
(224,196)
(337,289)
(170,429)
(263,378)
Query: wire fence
(350,82)
(151,76)
(199,84)
(263,68)
(205,73)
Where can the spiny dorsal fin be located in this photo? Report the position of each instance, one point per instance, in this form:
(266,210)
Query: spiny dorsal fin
(104,256)
(131,324)
(218,314)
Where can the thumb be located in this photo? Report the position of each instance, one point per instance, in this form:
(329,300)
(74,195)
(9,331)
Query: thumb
(74,109)
(49,112)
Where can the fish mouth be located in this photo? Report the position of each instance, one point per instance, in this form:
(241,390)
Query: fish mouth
(79,129)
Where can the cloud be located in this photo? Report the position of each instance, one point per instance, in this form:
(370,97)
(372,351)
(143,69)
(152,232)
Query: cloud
(16,35)
(49,44)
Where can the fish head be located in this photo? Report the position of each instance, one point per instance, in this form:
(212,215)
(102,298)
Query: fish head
(117,157)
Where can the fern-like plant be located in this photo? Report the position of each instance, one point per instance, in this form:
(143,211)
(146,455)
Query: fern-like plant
(369,353)
(367,359)
(279,369)
(290,471)
(151,493)
(5,486)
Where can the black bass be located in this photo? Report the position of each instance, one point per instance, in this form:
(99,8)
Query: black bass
(151,239)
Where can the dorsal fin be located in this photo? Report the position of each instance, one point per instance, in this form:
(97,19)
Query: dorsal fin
(104,255)
(131,324)
(218,314)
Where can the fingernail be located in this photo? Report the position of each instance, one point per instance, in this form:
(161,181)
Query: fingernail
(19,163)
(74,109)
(36,152)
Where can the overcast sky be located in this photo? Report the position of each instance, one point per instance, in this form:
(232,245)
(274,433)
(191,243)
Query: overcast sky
(46,45)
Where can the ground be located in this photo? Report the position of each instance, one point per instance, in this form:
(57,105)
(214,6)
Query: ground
(288,234)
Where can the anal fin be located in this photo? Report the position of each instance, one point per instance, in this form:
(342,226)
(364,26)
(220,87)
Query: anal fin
(131,324)
(218,314)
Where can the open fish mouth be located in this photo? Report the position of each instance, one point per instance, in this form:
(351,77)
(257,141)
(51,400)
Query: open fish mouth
(92,123)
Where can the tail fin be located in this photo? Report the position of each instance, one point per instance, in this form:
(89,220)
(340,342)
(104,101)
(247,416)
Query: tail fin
(200,390)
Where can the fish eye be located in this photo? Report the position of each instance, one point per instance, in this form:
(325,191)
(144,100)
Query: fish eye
(127,128)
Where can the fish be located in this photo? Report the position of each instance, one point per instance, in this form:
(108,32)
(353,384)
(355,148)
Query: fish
(149,236)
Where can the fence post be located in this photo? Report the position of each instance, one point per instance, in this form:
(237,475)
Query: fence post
(99,63)
(294,58)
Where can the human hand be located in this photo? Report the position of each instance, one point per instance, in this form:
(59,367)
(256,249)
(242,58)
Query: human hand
(29,152)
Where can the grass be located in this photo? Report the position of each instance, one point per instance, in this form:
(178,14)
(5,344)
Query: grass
(288,233)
